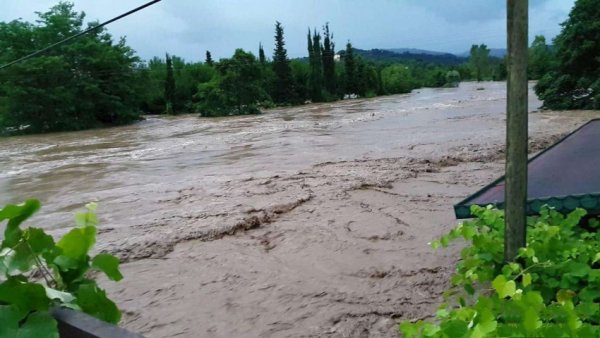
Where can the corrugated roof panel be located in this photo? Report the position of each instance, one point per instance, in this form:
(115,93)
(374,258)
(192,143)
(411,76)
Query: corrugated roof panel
(565,176)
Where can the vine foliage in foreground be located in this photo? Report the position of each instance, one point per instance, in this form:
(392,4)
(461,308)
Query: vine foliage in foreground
(37,273)
(553,290)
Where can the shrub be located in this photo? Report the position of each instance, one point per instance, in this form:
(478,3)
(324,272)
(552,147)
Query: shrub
(37,273)
(552,289)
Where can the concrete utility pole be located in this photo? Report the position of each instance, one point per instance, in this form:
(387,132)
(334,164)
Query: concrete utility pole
(516,129)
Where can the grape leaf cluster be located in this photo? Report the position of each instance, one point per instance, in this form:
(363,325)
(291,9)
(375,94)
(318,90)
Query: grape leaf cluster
(551,290)
(38,273)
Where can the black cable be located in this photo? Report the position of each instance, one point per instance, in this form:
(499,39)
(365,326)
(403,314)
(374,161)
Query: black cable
(79,34)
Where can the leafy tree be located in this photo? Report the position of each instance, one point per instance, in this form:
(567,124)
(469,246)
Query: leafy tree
(283,91)
(87,83)
(367,81)
(350,70)
(574,83)
(236,90)
(479,59)
(169,86)
(209,60)
(540,58)
(152,77)
(500,72)
(328,55)
(301,77)
(397,79)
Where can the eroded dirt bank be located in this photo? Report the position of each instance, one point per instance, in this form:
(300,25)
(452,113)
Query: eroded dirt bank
(303,222)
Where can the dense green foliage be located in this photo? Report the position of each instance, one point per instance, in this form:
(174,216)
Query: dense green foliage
(316,84)
(541,58)
(328,56)
(351,84)
(385,56)
(574,80)
(90,82)
(95,82)
(396,79)
(169,86)
(37,273)
(552,290)
(236,88)
(479,60)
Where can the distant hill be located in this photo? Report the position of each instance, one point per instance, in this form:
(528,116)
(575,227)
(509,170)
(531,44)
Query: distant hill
(389,56)
(494,52)
(415,51)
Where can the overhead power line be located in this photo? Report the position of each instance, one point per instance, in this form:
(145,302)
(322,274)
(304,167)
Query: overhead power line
(41,51)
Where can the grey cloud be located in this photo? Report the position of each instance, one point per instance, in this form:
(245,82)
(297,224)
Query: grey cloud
(189,27)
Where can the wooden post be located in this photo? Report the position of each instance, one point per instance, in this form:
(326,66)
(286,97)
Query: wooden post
(516,129)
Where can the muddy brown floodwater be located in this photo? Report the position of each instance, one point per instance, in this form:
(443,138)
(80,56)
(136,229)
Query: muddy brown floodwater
(310,221)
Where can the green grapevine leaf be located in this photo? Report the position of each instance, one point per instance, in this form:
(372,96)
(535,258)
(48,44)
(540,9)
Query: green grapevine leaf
(63,297)
(93,301)
(455,328)
(531,320)
(444,241)
(503,287)
(16,214)
(87,219)
(9,321)
(594,275)
(77,243)
(589,294)
(108,264)
(24,296)
(579,269)
(38,240)
(526,279)
(20,259)
(39,324)
(409,329)
(588,309)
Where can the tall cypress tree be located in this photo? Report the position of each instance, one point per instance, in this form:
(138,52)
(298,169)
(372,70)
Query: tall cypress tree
(328,56)
(209,59)
(169,86)
(309,45)
(261,54)
(282,89)
(350,68)
(316,67)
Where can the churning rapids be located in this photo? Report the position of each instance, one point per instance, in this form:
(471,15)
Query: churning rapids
(301,222)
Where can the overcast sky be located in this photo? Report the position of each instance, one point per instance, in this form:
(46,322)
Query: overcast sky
(188,28)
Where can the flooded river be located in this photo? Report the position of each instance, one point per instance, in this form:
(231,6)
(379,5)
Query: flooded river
(111,166)
(303,221)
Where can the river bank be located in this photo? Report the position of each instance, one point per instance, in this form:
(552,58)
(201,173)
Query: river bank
(305,221)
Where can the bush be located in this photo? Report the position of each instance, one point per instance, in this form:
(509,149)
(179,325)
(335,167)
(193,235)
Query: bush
(37,273)
(551,291)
